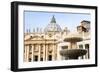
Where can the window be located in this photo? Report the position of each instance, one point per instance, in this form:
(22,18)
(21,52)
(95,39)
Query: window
(50,35)
(36,47)
(42,36)
(31,36)
(35,58)
(30,52)
(86,46)
(49,57)
(41,59)
(80,46)
(30,59)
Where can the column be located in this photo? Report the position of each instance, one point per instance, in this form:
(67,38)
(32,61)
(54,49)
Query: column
(27,57)
(46,48)
(55,46)
(84,48)
(39,53)
(32,52)
(59,57)
(44,51)
(25,53)
(73,45)
(44,57)
(53,51)
(87,54)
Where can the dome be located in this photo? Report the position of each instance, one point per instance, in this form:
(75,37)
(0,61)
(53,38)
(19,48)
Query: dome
(52,26)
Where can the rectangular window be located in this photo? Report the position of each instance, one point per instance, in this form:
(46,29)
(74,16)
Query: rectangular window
(50,58)
(80,46)
(41,59)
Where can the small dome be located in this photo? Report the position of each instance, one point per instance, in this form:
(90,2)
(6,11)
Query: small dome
(52,26)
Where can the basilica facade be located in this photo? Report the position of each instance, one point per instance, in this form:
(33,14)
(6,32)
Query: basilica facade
(45,45)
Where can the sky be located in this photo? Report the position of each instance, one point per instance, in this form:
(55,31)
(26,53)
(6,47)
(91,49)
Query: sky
(34,20)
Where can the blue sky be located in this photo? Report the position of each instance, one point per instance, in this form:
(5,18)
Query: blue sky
(34,20)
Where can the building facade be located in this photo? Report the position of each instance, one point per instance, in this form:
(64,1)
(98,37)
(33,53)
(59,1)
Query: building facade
(45,45)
